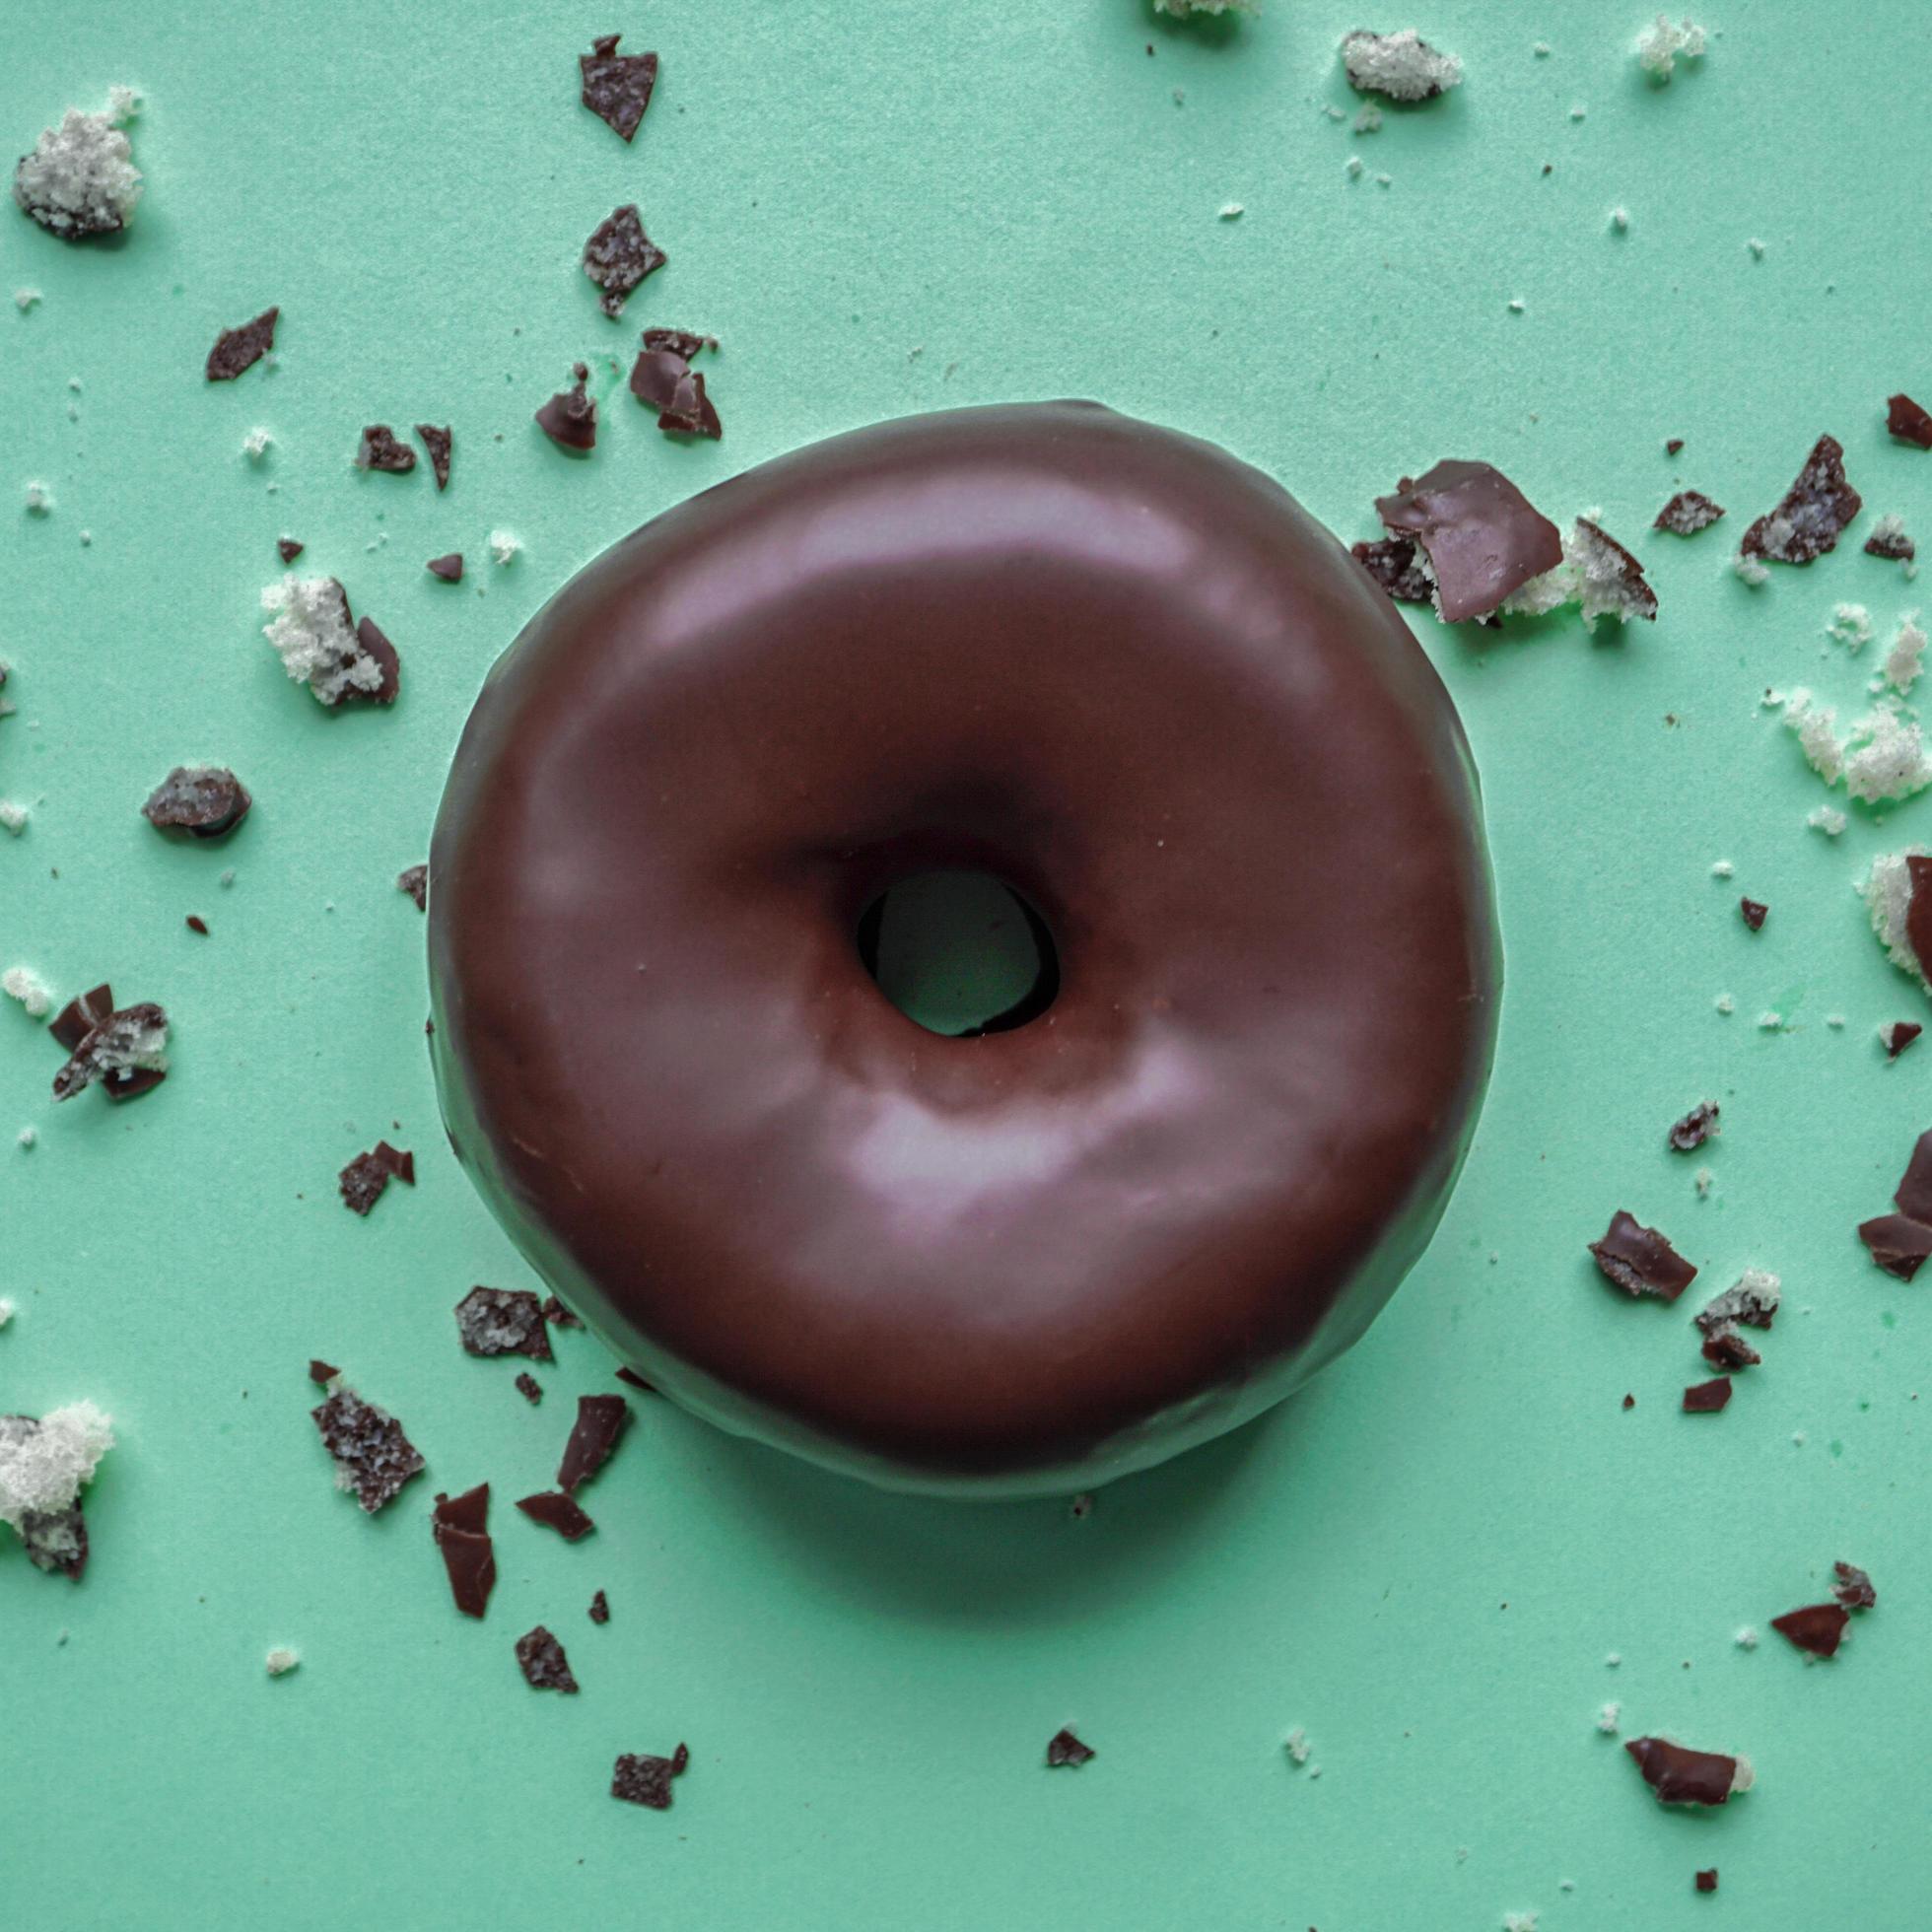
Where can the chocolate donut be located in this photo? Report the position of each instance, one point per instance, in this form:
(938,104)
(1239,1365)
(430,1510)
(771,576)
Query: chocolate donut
(1131,679)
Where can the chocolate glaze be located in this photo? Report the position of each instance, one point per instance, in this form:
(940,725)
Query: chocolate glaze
(1132,679)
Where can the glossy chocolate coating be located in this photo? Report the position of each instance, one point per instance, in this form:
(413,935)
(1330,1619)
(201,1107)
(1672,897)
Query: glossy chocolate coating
(1132,677)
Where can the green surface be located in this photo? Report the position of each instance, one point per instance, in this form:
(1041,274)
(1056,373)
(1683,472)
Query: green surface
(881,207)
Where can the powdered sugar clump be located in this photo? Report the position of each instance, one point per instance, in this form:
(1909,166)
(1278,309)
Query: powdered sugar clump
(81,178)
(504,546)
(44,1463)
(310,631)
(281,1660)
(1882,756)
(1828,819)
(13,816)
(1607,1719)
(1659,45)
(1401,66)
(1902,662)
(1850,626)
(22,982)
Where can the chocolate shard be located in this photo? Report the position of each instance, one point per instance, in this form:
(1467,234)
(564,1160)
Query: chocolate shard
(1707,1880)
(570,418)
(1753,911)
(1853,1587)
(1897,1035)
(55,1540)
(363,1181)
(438,442)
(529,1387)
(1392,563)
(1918,909)
(449,568)
(204,801)
(288,549)
(1818,1628)
(601,1609)
(600,1423)
(1728,1349)
(1482,536)
(543,1663)
(616,87)
(1639,1261)
(502,1322)
(124,1052)
(1898,1244)
(1812,514)
(1914,1195)
(1707,1398)
(637,1381)
(81,1015)
(1611,578)
(662,378)
(1064,1749)
(461,1526)
(237,349)
(1695,1128)
(380,450)
(373,1457)
(1688,513)
(415,880)
(1671,445)
(557,1512)
(321,1373)
(640,1779)
(196,923)
(619,255)
(1904,419)
(1682,1776)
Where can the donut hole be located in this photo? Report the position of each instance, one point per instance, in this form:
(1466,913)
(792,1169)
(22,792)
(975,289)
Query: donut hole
(959,952)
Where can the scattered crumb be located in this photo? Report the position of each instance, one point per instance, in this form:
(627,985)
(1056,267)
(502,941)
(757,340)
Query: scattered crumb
(373,1457)
(438,442)
(7,1311)
(1352,167)
(1398,66)
(542,1661)
(1607,1719)
(1682,1776)
(1639,1261)
(124,1049)
(1660,45)
(1368,119)
(1519,1922)
(1695,1128)
(1850,626)
(1904,662)
(311,629)
(81,181)
(25,299)
(1756,248)
(40,500)
(1828,819)
(1620,219)
(616,87)
(503,546)
(256,445)
(570,418)
(281,1660)
(1296,1745)
(618,256)
(1722,869)
(1704,1180)
(1725,1004)
(239,349)
(1229,211)
(1908,421)
(1898,1034)
(382,450)
(43,1466)
(1889,541)
(1770,1021)
(502,1322)
(206,801)
(22,982)
(662,378)
(638,1778)
(1746,1637)
(415,881)
(363,1181)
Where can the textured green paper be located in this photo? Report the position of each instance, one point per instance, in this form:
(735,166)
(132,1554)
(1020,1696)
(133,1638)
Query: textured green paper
(879,206)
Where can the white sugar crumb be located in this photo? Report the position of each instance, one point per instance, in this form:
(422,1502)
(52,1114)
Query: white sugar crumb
(1818,738)
(1745,1638)
(1725,1004)
(7,1311)
(1229,211)
(1705,1180)
(310,631)
(44,1463)
(1612,1659)
(1756,248)
(1887,758)
(25,1139)
(1619,219)
(1578,112)
(1888,894)
(504,546)
(1769,1021)
(1721,868)
(1181,9)
(1904,662)
(1835,1021)
(1597,574)
(1660,45)
(1744,1777)
(281,1660)
(1519,1922)
(1402,66)
(1750,570)
(13,816)
(1607,1719)
(1369,119)
(1296,1745)
(256,443)
(81,178)
(24,299)
(40,500)
(1353,167)
(1516,304)
(1850,626)
(1828,819)
(22,982)
(1540,49)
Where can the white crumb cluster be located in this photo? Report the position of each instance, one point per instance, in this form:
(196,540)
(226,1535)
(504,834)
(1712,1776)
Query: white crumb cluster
(1660,45)
(1181,9)
(38,499)
(24,299)
(1229,211)
(1704,1180)
(504,546)
(1353,167)
(311,634)
(1725,1004)
(281,1660)
(1770,1021)
(1750,570)
(1402,66)
(1296,1745)
(1888,894)
(44,1463)
(256,445)
(1904,662)
(1608,1718)
(81,178)
(1368,119)
(1597,574)
(1620,219)
(1745,1638)
(22,982)
(1882,756)
(13,816)
(1828,819)
(1721,868)
(1850,626)
(1519,1922)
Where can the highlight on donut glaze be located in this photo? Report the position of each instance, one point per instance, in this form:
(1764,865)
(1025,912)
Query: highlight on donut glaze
(1127,677)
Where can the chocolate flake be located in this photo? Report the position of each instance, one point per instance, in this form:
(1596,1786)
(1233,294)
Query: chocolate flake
(502,1322)
(1906,420)
(1819,1627)
(601,1609)
(1688,513)
(640,1779)
(1639,1261)
(544,1665)
(380,450)
(637,1381)
(557,1512)
(1482,536)
(81,1015)
(1898,1035)
(362,1182)
(123,1050)
(1812,514)
(1853,1588)
(1391,563)
(619,255)
(1899,1243)
(237,349)
(558,1316)
(438,442)
(461,1526)
(1682,1776)
(55,1539)
(204,801)
(322,1373)
(415,880)
(1707,1398)
(1629,1401)
(373,1457)
(1889,541)
(449,569)
(1753,911)
(288,549)
(1671,445)
(1707,1879)
(570,418)
(1695,1128)
(196,923)
(617,86)
(600,1423)
(662,378)
(1728,1349)
(1064,1747)
(529,1388)
(375,647)
(1918,909)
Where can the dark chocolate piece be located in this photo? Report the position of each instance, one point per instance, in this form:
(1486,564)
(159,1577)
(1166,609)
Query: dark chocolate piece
(1906,420)
(362,1182)
(558,1316)
(1819,1627)
(1629,1401)
(237,349)
(1812,514)
(645,1780)
(1391,563)
(372,1456)
(662,378)
(570,418)
(196,923)
(1682,1776)
(121,1052)
(415,880)
(1064,1747)
(1707,1398)
(1615,582)
(637,1381)
(1894,545)
(1639,1261)
(557,1512)
(1688,513)
(439,441)
(600,1423)
(601,1609)
(204,801)
(81,1015)
(322,1373)
(372,644)
(1853,1588)
(288,549)
(1726,1348)
(502,1322)
(1918,909)
(1898,1035)
(1753,911)
(1695,1128)
(1483,537)
(1671,445)
(544,1665)
(1707,1879)
(1899,1243)
(617,86)
(380,450)
(449,568)
(619,255)
(55,1539)
(461,1526)
(529,1387)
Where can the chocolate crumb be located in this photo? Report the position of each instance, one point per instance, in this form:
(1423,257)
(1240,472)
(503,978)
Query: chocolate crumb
(645,1780)
(599,1609)
(1064,1747)
(120,1049)
(1695,1128)
(1673,445)
(1812,514)
(1629,1401)
(619,255)
(288,549)
(1707,1398)
(1819,1627)
(616,87)
(364,1179)
(1682,1776)
(55,1539)
(459,1525)
(1898,1035)
(1639,1261)
(1853,1588)
(204,801)
(237,349)
(558,1316)
(529,1388)
(1482,536)
(557,1512)
(1753,911)
(570,418)
(600,1423)
(1688,513)
(544,1665)
(196,923)
(1889,541)
(449,569)
(1728,1349)
(373,1457)
(438,442)
(1391,563)
(662,378)
(502,1322)
(380,450)
(415,880)
(637,1381)
(1707,1879)
(1899,1243)
(322,1373)
(81,1015)
(1906,420)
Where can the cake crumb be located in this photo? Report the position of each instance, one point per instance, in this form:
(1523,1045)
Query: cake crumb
(27,1139)
(1771,1020)
(1754,248)
(1181,9)
(1704,1180)
(1725,1004)
(504,546)
(13,816)
(1519,1922)
(38,499)
(1904,662)
(1609,1717)
(256,445)
(1746,1637)
(1659,47)
(1620,219)
(25,299)
(1889,540)
(22,982)
(45,1464)
(1296,1745)
(1722,869)
(1398,66)
(81,181)
(1229,211)
(1850,626)
(319,647)
(7,1311)
(1828,819)
(281,1660)
(1352,167)
(1369,119)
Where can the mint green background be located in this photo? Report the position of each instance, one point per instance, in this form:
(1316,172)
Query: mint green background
(1425,1559)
